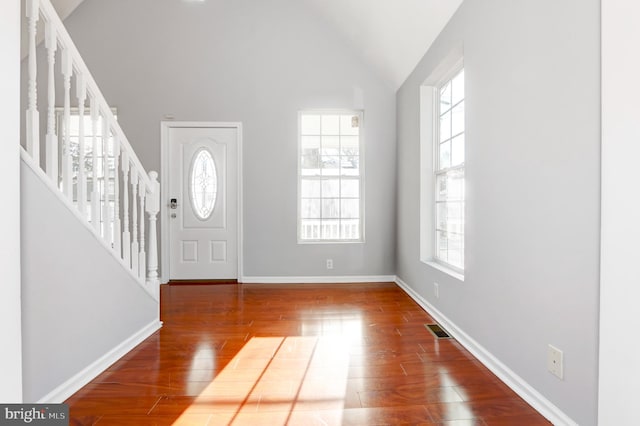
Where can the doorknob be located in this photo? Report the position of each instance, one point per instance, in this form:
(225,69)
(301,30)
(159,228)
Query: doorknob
(173,203)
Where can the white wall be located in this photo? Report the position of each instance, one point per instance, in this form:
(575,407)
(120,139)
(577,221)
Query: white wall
(10,327)
(79,303)
(256,62)
(619,290)
(533,190)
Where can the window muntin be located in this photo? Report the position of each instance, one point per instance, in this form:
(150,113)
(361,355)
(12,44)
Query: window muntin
(449,173)
(330,202)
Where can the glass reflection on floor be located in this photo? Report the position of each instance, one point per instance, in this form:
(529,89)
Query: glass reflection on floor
(280,380)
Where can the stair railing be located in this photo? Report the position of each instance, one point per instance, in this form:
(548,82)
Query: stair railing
(87,155)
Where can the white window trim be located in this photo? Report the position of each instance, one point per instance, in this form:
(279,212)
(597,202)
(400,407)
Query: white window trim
(361,176)
(76,111)
(429,116)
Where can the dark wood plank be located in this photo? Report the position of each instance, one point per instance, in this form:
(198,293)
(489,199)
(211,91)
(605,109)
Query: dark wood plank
(296,354)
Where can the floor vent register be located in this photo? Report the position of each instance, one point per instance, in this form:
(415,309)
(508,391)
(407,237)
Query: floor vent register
(438,331)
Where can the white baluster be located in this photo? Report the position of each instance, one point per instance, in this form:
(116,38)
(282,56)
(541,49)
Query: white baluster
(67,162)
(33,118)
(153,207)
(51,44)
(142,255)
(126,236)
(81,93)
(116,197)
(95,191)
(106,177)
(134,218)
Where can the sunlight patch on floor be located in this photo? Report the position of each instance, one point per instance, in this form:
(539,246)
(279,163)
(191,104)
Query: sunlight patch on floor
(277,381)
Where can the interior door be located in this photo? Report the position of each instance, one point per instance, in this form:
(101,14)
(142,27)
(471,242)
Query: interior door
(203,203)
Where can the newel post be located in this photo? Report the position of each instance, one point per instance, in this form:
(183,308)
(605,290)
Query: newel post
(152,208)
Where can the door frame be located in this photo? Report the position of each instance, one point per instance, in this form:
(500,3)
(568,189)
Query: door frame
(165,127)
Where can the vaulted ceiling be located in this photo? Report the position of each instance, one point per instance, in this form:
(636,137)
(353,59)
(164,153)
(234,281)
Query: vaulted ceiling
(392,35)
(65,7)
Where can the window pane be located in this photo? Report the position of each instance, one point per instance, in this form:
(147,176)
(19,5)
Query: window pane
(350,188)
(349,125)
(457,150)
(111,190)
(330,229)
(445,126)
(350,208)
(330,165)
(454,217)
(350,229)
(310,188)
(330,124)
(350,165)
(310,208)
(441,187)
(330,208)
(457,125)
(441,216)
(458,87)
(455,185)
(441,245)
(311,142)
(111,165)
(74,125)
(445,155)
(88,125)
(310,159)
(330,145)
(445,97)
(310,124)
(100,165)
(455,250)
(350,143)
(330,188)
(310,229)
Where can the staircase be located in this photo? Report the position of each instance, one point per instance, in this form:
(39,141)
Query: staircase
(89,245)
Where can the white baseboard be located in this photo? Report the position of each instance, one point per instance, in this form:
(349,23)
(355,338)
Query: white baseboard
(71,386)
(319,280)
(504,373)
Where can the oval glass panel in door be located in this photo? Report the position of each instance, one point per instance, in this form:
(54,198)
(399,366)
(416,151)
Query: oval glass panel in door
(204,184)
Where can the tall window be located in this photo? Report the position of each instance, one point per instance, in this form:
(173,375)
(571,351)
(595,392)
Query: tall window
(330,167)
(74,138)
(449,174)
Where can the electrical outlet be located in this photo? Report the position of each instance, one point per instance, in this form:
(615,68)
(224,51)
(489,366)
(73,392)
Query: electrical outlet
(555,361)
(436,290)
(329,263)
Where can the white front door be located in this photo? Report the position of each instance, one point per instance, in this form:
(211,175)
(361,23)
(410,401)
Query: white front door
(202,208)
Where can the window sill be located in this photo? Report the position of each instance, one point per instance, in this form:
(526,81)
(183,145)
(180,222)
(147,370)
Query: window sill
(435,265)
(304,242)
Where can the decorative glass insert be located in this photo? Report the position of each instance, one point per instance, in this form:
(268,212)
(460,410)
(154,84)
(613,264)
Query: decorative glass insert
(204,184)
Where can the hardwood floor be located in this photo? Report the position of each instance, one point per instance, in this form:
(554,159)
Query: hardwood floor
(352,354)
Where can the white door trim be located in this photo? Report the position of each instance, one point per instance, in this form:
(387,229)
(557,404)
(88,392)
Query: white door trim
(165,126)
